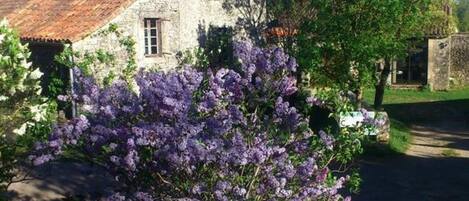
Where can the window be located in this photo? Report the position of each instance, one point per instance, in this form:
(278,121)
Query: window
(152,36)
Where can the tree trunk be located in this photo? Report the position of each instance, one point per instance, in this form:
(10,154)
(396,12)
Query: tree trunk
(379,93)
(359,95)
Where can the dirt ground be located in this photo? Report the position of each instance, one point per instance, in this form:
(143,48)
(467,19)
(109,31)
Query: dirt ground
(60,180)
(436,165)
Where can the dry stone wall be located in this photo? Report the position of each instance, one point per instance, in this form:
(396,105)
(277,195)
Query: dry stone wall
(460,59)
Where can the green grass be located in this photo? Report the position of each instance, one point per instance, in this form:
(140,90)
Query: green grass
(398,103)
(395,96)
(449,153)
(399,141)
(400,137)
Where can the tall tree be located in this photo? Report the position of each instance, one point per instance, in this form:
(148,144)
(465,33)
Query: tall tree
(341,41)
(342,44)
(412,19)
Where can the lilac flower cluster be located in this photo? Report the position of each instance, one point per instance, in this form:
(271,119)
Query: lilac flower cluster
(224,135)
(374,121)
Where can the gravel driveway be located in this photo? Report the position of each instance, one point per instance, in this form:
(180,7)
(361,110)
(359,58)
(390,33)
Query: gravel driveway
(436,165)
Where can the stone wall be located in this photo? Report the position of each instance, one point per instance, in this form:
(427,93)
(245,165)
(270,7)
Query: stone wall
(183,23)
(459,59)
(438,63)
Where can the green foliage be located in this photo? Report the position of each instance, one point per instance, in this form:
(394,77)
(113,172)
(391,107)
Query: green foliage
(340,42)
(25,116)
(449,153)
(439,21)
(354,182)
(400,138)
(56,86)
(91,60)
(196,57)
(40,130)
(7,163)
(336,105)
(462,14)
(216,49)
(14,152)
(342,45)
(399,96)
(20,102)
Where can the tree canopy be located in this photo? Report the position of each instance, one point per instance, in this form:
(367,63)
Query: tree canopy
(339,42)
(462,13)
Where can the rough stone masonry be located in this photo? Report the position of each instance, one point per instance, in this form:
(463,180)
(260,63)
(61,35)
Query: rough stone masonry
(182,22)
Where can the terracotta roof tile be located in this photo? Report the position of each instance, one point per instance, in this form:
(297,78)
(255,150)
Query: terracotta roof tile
(280,32)
(59,20)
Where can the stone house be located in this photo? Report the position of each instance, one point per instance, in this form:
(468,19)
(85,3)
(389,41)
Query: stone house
(160,28)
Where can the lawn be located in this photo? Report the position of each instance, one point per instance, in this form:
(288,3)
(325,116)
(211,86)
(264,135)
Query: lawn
(399,103)
(395,96)
(400,137)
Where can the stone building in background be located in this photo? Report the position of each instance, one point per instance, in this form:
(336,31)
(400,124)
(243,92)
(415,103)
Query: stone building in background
(160,28)
(440,60)
(439,63)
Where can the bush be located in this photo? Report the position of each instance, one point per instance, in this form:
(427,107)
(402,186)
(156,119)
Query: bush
(24,114)
(215,135)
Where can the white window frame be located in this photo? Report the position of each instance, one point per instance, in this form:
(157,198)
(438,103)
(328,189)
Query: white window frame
(152,49)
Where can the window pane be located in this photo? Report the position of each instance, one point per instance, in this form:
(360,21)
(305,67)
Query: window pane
(152,23)
(154,50)
(146,50)
(153,41)
(146,24)
(153,32)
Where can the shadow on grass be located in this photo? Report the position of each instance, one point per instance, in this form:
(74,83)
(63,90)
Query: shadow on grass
(434,119)
(399,142)
(425,112)
(423,177)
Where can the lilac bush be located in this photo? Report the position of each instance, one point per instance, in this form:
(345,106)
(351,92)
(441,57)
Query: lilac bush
(215,135)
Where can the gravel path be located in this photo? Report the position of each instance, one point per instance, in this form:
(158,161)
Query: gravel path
(436,165)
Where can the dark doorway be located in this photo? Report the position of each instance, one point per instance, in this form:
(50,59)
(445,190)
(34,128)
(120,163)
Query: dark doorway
(56,78)
(413,69)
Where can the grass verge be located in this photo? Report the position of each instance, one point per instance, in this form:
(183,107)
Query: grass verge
(400,138)
(396,96)
(399,141)
(449,153)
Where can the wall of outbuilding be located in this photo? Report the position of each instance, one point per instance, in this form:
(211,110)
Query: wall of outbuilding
(459,59)
(439,63)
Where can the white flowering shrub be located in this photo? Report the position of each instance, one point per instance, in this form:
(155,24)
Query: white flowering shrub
(21,105)
(24,114)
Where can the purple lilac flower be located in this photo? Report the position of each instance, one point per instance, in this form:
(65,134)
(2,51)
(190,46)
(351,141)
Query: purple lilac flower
(179,125)
(142,196)
(116,197)
(314,101)
(42,159)
(327,139)
(288,86)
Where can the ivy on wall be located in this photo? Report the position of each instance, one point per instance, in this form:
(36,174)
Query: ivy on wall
(90,60)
